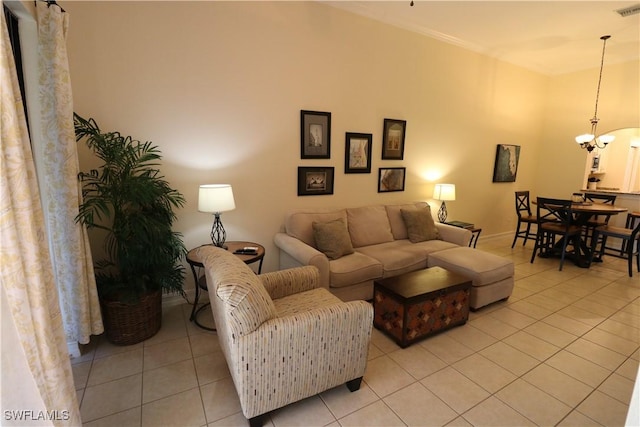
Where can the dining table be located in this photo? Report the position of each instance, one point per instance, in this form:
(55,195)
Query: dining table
(582,213)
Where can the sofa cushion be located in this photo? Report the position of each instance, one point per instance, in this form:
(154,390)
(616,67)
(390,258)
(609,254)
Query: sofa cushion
(398,229)
(369,225)
(244,298)
(299,223)
(352,269)
(483,268)
(332,238)
(394,260)
(420,225)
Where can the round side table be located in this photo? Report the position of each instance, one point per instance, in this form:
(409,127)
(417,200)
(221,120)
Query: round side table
(201,280)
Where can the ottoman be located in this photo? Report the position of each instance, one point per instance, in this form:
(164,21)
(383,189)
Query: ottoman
(491,275)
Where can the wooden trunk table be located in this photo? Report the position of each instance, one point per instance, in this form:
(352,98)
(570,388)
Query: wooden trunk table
(414,305)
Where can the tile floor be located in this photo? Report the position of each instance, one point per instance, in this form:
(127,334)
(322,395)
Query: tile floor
(564,350)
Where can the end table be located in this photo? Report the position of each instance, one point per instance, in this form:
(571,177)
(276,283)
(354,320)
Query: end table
(475,231)
(201,280)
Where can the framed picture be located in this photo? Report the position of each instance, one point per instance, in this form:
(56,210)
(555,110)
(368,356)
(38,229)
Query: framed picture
(506,164)
(314,181)
(357,153)
(315,135)
(393,139)
(391,179)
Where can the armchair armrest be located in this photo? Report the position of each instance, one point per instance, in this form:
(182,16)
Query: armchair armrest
(290,281)
(304,255)
(457,235)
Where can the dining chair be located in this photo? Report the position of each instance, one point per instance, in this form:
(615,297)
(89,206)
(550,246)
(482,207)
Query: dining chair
(629,236)
(555,218)
(523,210)
(597,220)
(633,218)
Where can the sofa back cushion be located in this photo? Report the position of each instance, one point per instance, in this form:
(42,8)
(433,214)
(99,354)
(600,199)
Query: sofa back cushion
(243,300)
(299,224)
(398,227)
(369,225)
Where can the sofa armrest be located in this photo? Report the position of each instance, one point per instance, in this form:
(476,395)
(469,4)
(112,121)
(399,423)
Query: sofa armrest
(281,283)
(307,353)
(304,255)
(457,235)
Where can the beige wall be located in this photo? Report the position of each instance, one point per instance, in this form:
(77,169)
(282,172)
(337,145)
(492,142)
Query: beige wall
(219,87)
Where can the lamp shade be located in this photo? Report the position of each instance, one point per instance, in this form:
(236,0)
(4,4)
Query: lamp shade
(444,192)
(215,198)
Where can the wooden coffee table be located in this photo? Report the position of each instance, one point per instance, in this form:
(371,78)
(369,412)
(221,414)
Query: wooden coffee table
(415,305)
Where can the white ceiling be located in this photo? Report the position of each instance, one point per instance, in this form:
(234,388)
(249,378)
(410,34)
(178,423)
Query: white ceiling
(547,36)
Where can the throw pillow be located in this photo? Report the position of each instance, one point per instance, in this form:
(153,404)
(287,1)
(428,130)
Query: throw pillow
(332,238)
(420,225)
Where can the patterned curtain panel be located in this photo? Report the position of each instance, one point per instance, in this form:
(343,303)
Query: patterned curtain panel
(58,169)
(26,274)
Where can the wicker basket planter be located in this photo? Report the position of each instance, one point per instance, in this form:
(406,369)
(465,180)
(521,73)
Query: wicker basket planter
(127,324)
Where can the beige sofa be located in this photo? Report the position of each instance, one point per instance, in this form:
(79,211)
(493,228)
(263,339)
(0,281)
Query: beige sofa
(382,248)
(284,337)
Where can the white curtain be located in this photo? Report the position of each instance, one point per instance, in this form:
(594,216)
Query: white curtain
(32,326)
(58,170)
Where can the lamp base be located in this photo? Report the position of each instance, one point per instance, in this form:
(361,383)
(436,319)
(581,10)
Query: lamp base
(218,235)
(442,213)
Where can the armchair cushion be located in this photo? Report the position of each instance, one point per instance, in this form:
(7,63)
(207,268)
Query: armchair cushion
(332,238)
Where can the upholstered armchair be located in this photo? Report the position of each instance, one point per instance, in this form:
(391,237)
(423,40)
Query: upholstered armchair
(284,337)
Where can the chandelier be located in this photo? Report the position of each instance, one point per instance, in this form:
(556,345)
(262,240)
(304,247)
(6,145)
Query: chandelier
(589,140)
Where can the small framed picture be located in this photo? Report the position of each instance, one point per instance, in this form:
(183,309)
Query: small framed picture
(315,135)
(393,139)
(506,164)
(357,153)
(314,181)
(391,179)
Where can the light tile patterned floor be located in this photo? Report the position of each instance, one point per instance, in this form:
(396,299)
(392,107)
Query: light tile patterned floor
(563,350)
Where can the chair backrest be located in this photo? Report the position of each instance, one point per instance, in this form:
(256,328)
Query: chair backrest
(632,219)
(608,199)
(554,210)
(523,203)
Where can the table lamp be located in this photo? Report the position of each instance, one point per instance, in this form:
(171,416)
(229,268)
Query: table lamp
(216,198)
(444,192)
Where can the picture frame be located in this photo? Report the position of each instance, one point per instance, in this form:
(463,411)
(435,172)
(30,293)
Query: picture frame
(357,153)
(393,133)
(315,134)
(505,167)
(391,179)
(315,181)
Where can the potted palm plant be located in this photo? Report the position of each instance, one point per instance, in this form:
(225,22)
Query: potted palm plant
(132,204)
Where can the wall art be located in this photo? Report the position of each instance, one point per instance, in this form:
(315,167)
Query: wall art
(357,153)
(315,135)
(391,179)
(315,181)
(506,163)
(393,133)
